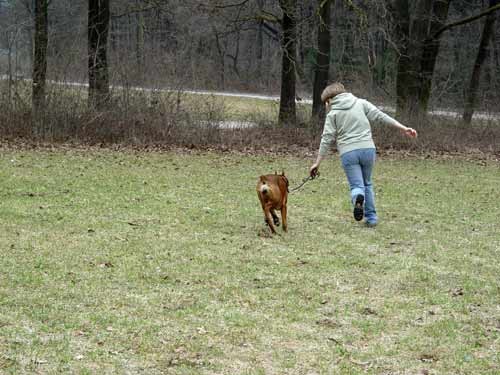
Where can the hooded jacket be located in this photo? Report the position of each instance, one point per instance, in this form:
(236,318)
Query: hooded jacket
(348,123)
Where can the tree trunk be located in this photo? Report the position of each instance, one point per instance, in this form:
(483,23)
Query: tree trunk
(300,35)
(236,56)
(401,17)
(40,57)
(496,59)
(9,69)
(113,34)
(378,60)
(260,47)
(139,34)
(418,35)
(30,39)
(260,40)
(430,52)
(287,112)
(322,61)
(98,26)
(221,49)
(482,54)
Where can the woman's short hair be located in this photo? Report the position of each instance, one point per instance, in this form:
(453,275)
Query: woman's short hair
(332,90)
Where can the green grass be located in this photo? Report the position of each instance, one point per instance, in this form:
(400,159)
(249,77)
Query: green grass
(160,264)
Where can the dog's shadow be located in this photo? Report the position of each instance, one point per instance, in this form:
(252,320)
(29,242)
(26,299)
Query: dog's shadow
(264,232)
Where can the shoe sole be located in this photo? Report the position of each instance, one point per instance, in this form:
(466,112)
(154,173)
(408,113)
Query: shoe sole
(358,208)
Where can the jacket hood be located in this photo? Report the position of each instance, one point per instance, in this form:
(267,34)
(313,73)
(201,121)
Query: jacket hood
(344,101)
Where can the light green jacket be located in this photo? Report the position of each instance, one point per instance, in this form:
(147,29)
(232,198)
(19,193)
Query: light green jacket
(348,123)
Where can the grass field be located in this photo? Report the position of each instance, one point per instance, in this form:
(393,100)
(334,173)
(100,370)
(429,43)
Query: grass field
(159,263)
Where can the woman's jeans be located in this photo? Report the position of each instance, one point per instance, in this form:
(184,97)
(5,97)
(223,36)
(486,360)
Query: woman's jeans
(358,166)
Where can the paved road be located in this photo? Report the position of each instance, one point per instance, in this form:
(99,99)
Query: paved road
(439,112)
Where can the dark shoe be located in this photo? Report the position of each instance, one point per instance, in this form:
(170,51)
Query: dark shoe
(358,208)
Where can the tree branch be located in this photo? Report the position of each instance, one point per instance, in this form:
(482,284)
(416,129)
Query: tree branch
(465,20)
(272,30)
(149,5)
(269,17)
(231,5)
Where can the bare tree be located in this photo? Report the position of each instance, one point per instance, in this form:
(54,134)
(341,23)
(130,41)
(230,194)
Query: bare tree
(287,112)
(482,55)
(260,37)
(401,18)
(40,56)
(140,26)
(413,79)
(419,43)
(98,25)
(322,66)
(430,52)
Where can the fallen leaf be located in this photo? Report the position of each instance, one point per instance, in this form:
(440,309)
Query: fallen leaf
(327,322)
(360,363)
(369,311)
(333,339)
(428,357)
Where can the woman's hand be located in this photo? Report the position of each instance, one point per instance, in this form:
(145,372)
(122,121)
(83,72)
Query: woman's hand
(409,132)
(313,171)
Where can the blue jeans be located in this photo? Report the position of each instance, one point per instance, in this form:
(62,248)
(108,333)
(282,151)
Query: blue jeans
(358,166)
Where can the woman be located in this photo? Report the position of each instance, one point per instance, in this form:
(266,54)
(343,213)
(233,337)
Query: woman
(348,124)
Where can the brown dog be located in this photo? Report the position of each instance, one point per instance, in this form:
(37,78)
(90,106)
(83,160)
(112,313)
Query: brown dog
(272,190)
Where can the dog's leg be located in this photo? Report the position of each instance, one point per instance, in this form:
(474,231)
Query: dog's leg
(283,217)
(269,219)
(276,219)
(263,204)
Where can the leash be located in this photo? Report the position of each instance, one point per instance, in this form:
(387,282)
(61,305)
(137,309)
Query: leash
(304,181)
